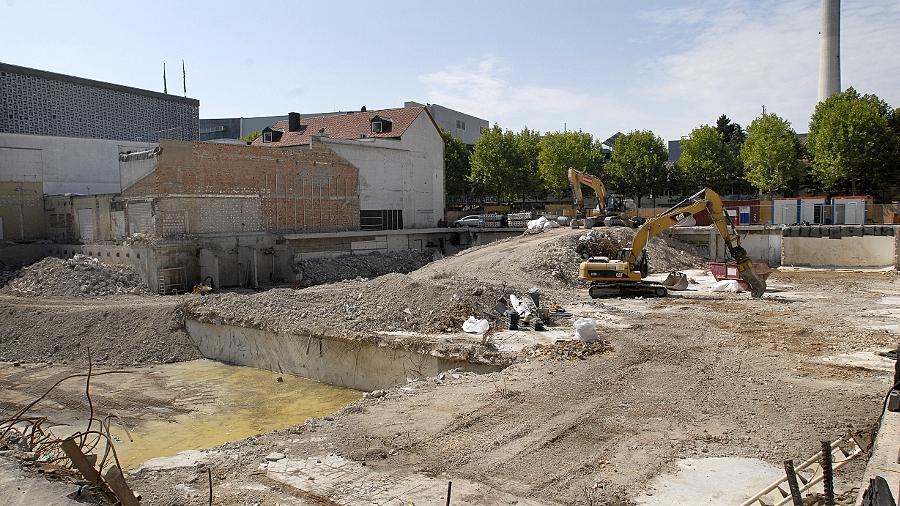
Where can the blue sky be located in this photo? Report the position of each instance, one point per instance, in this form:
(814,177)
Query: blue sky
(597,66)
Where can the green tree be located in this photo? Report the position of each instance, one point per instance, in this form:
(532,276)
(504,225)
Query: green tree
(252,136)
(560,151)
(526,178)
(733,136)
(771,154)
(852,143)
(637,166)
(456,165)
(706,160)
(494,163)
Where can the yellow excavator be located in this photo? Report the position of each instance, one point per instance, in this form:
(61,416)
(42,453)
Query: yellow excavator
(608,210)
(625,275)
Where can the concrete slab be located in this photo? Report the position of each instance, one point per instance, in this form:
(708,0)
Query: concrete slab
(18,488)
(864,359)
(885,459)
(349,483)
(710,481)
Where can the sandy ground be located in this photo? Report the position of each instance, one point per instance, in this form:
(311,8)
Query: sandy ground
(692,376)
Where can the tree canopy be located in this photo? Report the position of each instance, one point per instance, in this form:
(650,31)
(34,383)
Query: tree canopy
(456,165)
(706,161)
(853,143)
(637,166)
(771,154)
(560,151)
(252,136)
(504,164)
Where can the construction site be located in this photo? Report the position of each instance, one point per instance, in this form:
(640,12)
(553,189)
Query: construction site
(368,391)
(414,306)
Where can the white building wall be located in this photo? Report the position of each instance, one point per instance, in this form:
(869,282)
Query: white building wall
(405,175)
(64,164)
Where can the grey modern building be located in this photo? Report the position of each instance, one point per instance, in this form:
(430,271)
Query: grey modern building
(235,128)
(465,126)
(38,102)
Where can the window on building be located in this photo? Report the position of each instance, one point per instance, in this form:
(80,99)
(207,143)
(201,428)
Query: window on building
(376,127)
(386,219)
(267,137)
(460,125)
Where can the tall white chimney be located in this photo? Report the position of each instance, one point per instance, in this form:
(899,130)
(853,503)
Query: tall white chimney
(830,49)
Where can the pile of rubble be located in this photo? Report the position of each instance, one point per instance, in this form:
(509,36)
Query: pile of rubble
(79,276)
(320,271)
(566,350)
(393,302)
(560,258)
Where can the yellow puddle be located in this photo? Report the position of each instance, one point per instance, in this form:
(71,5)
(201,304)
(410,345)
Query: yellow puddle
(232,403)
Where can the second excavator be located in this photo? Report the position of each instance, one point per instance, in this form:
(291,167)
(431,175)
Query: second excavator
(609,209)
(625,274)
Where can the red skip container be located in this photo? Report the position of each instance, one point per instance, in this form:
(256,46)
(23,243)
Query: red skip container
(729,270)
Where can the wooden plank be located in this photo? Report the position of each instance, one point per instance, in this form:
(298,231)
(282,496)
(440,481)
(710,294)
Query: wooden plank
(116,482)
(80,462)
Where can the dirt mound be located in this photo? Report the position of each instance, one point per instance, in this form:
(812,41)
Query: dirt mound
(393,302)
(331,270)
(551,259)
(132,331)
(79,276)
(558,257)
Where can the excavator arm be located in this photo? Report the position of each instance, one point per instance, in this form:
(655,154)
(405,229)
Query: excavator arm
(704,199)
(578,178)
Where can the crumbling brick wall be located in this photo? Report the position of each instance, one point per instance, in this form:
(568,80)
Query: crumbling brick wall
(215,188)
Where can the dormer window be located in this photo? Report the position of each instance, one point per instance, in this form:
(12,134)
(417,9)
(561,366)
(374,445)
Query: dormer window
(381,125)
(267,137)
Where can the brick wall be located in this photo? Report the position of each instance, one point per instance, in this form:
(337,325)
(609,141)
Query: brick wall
(214,188)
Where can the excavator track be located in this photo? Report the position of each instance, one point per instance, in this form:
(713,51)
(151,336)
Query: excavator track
(633,289)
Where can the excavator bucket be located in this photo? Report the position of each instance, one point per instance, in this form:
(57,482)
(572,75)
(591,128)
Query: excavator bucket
(757,284)
(676,281)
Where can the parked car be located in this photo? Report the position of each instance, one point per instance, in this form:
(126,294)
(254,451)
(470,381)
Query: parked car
(473,220)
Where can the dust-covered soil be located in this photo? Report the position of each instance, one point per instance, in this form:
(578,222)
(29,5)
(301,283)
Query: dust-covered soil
(692,375)
(695,375)
(125,330)
(550,259)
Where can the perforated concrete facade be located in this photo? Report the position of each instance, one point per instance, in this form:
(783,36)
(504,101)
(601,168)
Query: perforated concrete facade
(44,103)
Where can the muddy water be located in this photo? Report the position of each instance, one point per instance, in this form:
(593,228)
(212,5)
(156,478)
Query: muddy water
(226,403)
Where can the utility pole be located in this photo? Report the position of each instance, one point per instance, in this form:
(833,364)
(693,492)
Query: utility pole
(165,87)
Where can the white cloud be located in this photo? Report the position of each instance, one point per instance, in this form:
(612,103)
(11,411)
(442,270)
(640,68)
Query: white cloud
(745,56)
(730,57)
(482,88)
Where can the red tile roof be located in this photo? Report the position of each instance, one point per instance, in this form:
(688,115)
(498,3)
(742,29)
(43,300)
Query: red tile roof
(353,125)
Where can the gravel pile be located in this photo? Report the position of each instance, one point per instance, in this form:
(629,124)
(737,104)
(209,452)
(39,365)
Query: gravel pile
(132,331)
(79,276)
(393,302)
(320,271)
(559,258)
(566,350)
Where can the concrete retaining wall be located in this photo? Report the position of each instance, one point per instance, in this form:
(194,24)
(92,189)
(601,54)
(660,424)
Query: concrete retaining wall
(865,251)
(345,363)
